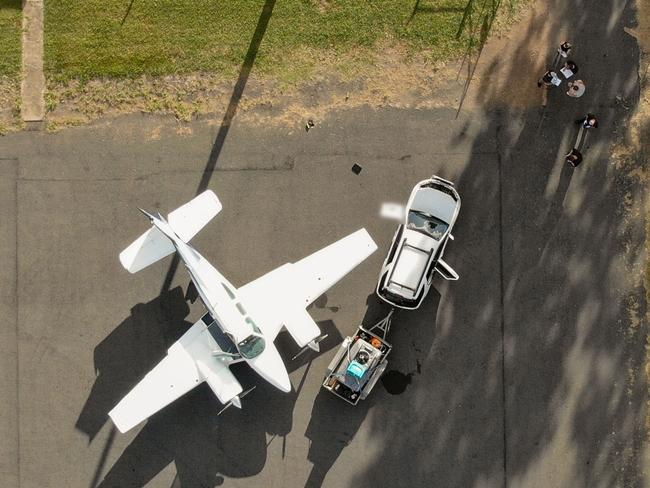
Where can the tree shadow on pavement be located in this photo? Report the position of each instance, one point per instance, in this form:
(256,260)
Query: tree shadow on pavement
(238,91)
(128,11)
(229,114)
(536,376)
(476,24)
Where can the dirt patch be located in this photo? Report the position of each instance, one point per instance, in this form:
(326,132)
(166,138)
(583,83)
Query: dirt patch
(322,5)
(389,75)
(630,155)
(639,140)
(9,104)
(392,79)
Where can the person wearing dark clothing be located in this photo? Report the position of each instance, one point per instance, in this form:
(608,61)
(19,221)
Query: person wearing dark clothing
(574,157)
(569,69)
(588,122)
(550,78)
(564,49)
(562,52)
(572,66)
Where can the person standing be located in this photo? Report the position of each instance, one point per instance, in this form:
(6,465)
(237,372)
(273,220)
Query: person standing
(562,52)
(574,157)
(576,88)
(569,69)
(564,49)
(588,122)
(550,78)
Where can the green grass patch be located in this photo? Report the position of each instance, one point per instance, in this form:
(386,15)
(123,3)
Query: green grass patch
(10,25)
(127,38)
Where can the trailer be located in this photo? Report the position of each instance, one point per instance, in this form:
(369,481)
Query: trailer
(359,362)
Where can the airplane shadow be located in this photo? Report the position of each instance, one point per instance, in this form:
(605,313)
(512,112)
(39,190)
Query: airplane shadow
(129,352)
(206,447)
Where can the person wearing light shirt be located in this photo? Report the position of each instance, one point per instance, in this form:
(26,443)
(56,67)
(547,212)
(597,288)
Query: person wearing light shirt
(576,88)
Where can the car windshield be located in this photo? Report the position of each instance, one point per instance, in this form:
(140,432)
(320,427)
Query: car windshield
(427,224)
(252,346)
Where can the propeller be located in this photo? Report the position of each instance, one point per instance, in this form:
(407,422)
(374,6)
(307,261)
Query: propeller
(236,400)
(313,345)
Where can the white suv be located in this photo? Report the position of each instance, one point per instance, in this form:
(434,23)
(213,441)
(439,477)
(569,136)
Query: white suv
(418,245)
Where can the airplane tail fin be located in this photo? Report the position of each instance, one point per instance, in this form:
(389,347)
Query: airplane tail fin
(186,221)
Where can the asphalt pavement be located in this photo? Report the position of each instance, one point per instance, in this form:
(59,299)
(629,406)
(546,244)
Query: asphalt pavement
(526,372)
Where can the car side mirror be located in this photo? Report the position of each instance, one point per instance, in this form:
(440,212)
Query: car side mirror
(392,211)
(451,236)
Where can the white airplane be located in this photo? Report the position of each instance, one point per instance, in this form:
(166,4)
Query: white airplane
(241,323)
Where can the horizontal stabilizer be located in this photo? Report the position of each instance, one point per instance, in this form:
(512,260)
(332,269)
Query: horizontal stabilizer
(147,249)
(186,221)
(189,219)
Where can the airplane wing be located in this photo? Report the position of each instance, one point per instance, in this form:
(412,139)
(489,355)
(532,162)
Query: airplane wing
(174,376)
(188,363)
(279,298)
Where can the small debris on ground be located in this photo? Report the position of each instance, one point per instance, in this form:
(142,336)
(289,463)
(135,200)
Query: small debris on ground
(310,124)
(356,169)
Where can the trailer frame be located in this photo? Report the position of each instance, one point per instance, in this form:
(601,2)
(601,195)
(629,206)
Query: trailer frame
(371,340)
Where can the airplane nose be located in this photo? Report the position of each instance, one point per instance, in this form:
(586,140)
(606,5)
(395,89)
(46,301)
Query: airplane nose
(285,384)
(270,366)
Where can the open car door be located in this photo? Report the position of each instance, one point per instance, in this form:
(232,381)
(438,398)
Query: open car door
(446,271)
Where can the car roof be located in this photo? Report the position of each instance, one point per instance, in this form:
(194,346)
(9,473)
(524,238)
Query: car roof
(409,268)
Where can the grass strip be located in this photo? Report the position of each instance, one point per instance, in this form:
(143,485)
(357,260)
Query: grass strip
(10,26)
(128,38)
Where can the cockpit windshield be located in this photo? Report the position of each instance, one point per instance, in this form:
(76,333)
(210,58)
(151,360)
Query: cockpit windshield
(427,224)
(252,346)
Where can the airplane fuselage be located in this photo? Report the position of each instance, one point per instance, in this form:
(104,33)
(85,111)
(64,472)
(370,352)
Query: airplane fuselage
(220,298)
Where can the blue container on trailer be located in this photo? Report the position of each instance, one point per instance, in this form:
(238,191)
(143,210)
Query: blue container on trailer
(357,370)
